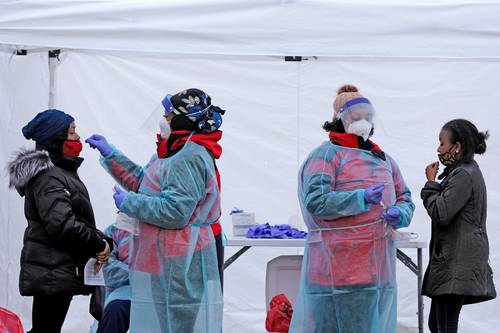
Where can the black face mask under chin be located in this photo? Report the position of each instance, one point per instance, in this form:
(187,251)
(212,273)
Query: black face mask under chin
(448,158)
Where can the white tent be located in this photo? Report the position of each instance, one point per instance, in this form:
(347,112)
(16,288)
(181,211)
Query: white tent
(420,62)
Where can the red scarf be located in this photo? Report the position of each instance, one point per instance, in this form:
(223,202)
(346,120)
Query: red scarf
(161,146)
(352,141)
(209,141)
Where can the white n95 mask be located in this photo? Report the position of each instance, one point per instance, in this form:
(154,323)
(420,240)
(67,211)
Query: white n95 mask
(361,128)
(164,128)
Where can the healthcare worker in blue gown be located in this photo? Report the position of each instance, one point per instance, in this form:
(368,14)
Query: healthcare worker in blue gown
(174,272)
(352,197)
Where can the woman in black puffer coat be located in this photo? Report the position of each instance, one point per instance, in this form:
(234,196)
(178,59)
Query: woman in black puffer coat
(458,271)
(61,235)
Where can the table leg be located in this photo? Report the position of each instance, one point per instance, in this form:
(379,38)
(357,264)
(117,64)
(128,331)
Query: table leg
(417,269)
(407,261)
(235,256)
(420,297)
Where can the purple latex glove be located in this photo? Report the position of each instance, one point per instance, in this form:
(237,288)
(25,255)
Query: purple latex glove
(99,142)
(282,231)
(284,227)
(277,233)
(298,233)
(259,231)
(120,195)
(392,216)
(373,194)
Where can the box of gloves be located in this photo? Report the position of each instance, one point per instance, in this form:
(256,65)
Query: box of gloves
(242,221)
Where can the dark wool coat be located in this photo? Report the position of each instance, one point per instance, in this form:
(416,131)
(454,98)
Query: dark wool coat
(61,234)
(459,248)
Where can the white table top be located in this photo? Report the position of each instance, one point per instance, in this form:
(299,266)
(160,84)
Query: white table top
(272,242)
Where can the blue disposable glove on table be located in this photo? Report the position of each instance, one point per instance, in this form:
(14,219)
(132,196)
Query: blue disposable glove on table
(392,216)
(373,194)
(281,231)
(100,143)
(120,195)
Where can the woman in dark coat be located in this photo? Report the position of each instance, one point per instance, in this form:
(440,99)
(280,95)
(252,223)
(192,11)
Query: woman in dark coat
(61,234)
(458,271)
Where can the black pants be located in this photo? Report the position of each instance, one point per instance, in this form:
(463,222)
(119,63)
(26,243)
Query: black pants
(49,312)
(444,314)
(116,317)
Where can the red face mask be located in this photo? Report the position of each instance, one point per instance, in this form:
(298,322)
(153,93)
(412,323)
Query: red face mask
(72,148)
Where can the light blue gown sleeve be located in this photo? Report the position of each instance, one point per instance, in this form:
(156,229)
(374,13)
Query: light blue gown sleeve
(126,173)
(182,187)
(403,197)
(319,195)
(116,273)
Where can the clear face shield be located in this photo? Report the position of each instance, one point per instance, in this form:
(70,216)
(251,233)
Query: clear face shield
(357,117)
(158,118)
(168,108)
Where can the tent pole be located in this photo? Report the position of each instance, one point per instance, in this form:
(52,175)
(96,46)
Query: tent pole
(53,59)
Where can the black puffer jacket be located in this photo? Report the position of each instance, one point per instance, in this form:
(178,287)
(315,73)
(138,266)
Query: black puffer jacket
(61,235)
(459,247)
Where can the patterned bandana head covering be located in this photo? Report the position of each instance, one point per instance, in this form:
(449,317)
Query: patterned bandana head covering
(196,105)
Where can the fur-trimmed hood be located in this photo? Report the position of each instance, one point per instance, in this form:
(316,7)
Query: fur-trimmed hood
(26,165)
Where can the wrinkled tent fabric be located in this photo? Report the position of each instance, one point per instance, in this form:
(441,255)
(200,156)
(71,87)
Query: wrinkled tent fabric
(421,63)
(173,267)
(259,27)
(348,277)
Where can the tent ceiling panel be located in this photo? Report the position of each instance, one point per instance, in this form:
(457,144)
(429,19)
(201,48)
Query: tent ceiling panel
(261,27)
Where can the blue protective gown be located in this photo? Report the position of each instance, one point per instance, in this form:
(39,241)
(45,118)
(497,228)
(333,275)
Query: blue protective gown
(348,281)
(173,267)
(116,270)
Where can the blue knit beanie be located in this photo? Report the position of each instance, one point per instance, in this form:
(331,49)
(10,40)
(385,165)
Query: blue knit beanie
(46,125)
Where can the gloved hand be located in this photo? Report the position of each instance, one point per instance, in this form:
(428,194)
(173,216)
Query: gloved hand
(119,196)
(392,216)
(373,194)
(99,142)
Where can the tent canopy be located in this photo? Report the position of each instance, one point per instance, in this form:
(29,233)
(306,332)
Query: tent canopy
(456,29)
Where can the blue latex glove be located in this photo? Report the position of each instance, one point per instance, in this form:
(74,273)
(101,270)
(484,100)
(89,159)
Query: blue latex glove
(99,142)
(373,194)
(119,196)
(282,231)
(392,216)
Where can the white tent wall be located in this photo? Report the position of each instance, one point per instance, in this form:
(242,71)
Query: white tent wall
(23,92)
(421,63)
(275,110)
(118,97)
